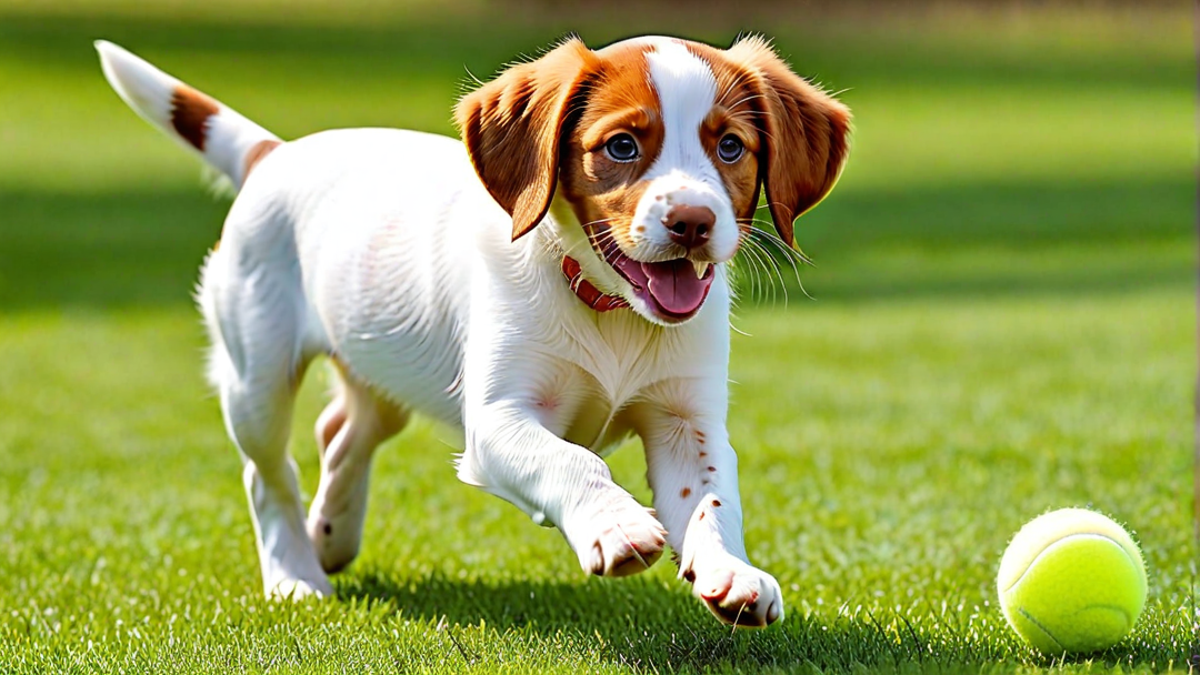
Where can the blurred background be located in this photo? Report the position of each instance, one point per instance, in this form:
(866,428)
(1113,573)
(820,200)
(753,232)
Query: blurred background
(999,147)
(1000,319)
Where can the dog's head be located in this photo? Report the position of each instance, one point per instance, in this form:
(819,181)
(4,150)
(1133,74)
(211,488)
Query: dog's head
(660,147)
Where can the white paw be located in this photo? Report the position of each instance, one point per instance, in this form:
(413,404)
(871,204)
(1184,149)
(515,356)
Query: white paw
(736,592)
(622,540)
(299,589)
(337,533)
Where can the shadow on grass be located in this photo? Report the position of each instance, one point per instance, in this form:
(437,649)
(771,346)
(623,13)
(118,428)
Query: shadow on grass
(633,623)
(643,624)
(124,249)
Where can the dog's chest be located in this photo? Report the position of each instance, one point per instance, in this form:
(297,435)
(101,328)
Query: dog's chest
(574,406)
(599,372)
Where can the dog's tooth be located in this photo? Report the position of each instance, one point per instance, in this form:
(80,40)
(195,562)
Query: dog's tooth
(701,268)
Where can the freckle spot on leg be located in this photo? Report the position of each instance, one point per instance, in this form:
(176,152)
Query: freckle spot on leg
(716,502)
(641,228)
(690,576)
(704,481)
(685,492)
(702,514)
(711,469)
(703,453)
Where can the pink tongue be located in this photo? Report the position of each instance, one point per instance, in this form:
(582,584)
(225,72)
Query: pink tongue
(675,287)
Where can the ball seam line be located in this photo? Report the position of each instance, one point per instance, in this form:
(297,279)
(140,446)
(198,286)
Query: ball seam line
(1056,542)
(1042,628)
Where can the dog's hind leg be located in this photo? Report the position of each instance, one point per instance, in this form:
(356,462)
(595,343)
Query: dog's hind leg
(255,319)
(348,431)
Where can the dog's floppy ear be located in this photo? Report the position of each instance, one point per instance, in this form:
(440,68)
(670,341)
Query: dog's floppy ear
(805,135)
(511,127)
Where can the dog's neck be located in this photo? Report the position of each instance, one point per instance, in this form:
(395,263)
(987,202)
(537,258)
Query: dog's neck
(585,291)
(579,262)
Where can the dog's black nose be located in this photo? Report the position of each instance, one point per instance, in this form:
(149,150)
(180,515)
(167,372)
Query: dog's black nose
(690,226)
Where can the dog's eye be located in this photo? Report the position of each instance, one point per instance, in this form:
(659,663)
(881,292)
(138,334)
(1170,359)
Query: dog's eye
(730,149)
(622,148)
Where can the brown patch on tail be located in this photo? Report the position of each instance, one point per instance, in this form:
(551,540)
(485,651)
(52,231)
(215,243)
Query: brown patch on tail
(190,111)
(254,156)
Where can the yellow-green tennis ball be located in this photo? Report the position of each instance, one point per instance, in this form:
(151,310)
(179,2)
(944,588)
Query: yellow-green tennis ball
(1072,580)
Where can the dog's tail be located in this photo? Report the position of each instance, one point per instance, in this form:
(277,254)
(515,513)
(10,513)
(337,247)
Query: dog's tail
(225,140)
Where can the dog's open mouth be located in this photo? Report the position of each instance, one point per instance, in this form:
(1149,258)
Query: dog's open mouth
(674,289)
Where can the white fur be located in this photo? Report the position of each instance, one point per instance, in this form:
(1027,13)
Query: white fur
(683,174)
(382,249)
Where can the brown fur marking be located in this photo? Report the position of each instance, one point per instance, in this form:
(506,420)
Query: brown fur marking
(620,99)
(512,128)
(255,155)
(190,111)
(807,134)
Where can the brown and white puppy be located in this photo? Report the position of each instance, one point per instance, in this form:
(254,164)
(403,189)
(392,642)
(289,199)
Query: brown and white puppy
(551,285)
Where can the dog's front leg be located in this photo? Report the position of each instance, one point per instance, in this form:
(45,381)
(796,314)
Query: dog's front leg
(692,469)
(509,453)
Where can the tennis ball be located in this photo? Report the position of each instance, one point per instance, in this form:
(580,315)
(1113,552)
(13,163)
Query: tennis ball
(1072,580)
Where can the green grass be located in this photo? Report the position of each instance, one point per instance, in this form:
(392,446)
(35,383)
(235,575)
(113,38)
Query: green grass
(1002,323)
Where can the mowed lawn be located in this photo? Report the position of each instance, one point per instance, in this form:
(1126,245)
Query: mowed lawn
(1001,322)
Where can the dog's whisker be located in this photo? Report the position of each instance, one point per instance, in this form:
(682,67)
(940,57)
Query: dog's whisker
(754,266)
(759,268)
(794,258)
(773,239)
(756,242)
(769,265)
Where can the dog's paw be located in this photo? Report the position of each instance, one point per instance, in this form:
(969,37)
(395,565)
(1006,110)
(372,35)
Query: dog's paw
(299,589)
(623,540)
(736,592)
(336,535)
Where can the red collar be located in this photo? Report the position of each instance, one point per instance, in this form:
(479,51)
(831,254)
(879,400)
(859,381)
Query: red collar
(589,294)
